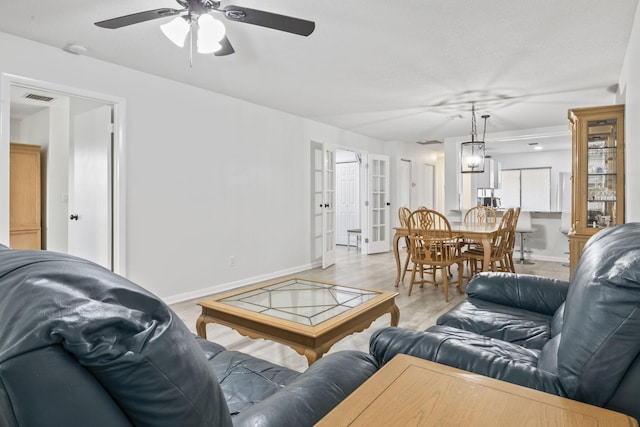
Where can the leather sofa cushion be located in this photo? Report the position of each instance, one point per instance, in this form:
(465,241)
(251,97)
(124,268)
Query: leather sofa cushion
(133,344)
(313,393)
(556,322)
(259,392)
(515,325)
(246,380)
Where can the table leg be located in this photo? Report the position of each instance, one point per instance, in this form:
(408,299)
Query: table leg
(395,315)
(201,326)
(396,253)
(486,246)
(312,355)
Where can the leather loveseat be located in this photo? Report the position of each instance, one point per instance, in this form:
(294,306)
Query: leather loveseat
(579,340)
(81,346)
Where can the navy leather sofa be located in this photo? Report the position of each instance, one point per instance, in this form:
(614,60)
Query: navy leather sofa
(81,346)
(579,340)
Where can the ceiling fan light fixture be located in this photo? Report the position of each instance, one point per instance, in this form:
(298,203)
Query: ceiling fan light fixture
(176,30)
(210,32)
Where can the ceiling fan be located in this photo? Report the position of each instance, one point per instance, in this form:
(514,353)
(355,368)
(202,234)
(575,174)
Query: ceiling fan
(195,18)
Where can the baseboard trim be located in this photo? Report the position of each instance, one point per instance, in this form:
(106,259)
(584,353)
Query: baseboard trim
(224,287)
(534,257)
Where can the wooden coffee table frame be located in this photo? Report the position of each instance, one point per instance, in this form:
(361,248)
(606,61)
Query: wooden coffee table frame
(310,341)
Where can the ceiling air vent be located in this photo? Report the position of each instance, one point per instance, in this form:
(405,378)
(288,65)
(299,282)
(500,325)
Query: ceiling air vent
(431,142)
(39,97)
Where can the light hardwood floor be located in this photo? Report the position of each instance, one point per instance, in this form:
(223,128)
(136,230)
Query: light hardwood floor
(417,312)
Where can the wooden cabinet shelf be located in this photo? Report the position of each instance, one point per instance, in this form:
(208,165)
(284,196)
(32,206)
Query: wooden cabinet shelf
(597,173)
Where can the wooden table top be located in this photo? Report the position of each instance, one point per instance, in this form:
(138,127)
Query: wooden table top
(409,391)
(462,228)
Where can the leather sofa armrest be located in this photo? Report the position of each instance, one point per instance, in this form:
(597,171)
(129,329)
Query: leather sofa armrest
(467,351)
(313,394)
(528,292)
(48,386)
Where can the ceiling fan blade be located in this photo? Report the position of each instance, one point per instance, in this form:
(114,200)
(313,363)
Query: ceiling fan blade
(269,20)
(226,49)
(136,18)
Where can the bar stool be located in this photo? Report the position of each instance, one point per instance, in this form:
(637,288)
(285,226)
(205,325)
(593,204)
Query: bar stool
(357,233)
(524,226)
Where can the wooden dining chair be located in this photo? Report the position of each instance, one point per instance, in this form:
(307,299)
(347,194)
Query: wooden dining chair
(512,240)
(499,244)
(433,247)
(403,217)
(477,215)
(480,215)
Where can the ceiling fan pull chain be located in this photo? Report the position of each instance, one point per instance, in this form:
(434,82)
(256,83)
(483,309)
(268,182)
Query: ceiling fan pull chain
(191,46)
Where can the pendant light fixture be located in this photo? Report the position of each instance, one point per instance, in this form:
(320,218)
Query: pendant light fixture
(472,152)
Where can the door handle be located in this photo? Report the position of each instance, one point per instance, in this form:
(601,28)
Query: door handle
(388,203)
(73,216)
(326,205)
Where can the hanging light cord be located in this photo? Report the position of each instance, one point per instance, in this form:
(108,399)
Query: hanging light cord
(484,129)
(474,132)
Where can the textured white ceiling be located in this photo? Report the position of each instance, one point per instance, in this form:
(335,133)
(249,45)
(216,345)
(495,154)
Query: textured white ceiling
(406,70)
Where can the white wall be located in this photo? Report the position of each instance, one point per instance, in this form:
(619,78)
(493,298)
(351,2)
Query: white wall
(15,131)
(629,94)
(419,155)
(34,129)
(208,176)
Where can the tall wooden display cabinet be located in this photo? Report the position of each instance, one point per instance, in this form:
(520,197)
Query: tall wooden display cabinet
(598,173)
(24,199)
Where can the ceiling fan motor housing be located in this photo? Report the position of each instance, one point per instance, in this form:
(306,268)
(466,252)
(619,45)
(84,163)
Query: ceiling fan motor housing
(199,7)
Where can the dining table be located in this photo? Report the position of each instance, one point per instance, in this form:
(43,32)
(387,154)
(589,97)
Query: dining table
(480,233)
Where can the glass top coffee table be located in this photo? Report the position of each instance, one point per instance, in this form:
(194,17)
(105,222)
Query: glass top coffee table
(307,315)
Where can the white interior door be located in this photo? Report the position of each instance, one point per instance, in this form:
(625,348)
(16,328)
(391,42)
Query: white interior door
(347,199)
(90,187)
(317,159)
(328,206)
(379,204)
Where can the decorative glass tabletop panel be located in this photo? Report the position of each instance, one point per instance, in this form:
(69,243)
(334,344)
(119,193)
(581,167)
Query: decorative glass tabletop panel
(301,301)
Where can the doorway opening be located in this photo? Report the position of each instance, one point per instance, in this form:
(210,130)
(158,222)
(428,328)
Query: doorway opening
(80,136)
(373,202)
(348,194)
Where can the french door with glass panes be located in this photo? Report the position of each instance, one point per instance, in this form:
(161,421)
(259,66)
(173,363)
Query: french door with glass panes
(379,204)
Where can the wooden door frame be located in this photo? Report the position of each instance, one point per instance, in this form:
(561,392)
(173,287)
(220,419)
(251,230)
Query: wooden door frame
(119,179)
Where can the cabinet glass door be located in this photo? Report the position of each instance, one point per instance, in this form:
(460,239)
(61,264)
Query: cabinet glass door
(601,173)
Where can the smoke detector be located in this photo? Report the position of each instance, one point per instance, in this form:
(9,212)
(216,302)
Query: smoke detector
(76,49)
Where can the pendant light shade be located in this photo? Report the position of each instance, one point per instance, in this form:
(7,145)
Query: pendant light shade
(176,30)
(472,152)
